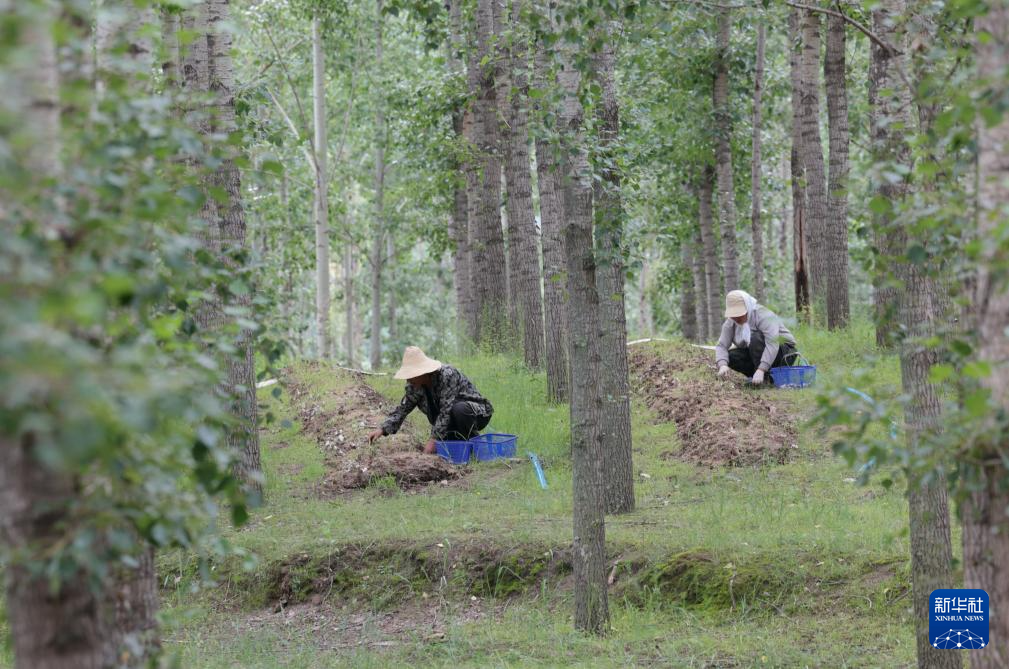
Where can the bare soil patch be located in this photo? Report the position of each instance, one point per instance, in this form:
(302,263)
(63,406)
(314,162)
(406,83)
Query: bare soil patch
(333,627)
(718,422)
(340,421)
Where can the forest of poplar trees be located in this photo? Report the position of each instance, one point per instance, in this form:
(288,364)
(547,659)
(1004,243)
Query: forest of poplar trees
(223,221)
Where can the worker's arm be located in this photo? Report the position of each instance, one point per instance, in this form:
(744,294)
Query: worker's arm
(769,325)
(395,419)
(448,392)
(724,342)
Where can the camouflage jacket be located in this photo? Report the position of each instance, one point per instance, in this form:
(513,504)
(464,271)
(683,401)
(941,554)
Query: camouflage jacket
(448,386)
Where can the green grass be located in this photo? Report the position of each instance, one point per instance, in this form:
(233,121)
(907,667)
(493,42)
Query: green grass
(789,565)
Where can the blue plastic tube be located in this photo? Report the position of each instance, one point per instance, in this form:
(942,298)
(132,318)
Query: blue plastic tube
(539,470)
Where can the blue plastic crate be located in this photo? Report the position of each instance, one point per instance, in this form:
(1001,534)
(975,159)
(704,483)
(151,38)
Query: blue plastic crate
(494,445)
(797,376)
(456,452)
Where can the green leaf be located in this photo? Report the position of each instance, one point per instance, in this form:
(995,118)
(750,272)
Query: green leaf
(977,369)
(977,403)
(239,514)
(940,373)
(917,254)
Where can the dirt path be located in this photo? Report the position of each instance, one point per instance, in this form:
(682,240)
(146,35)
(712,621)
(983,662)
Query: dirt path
(718,422)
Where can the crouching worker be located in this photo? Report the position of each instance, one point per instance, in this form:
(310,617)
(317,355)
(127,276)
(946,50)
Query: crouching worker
(450,401)
(758,339)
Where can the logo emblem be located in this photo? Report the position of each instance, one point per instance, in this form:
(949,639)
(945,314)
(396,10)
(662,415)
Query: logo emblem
(958,619)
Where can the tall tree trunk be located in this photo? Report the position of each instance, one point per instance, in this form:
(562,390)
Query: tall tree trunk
(207,69)
(459,221)
(786,210)
(645,324)
(703,308)
(836,237)
(705,187)
(554,264)
(320,149)
(756,166)
(349,304)
(66,628)
(985,516)
(523,237)
(614,371)
(800,233)
(811,151)
(486,237)
(390,255)
(587,457)
(688,301)
(931,553)
(723,154)
(920,305)
(377,245)
(888,100)
(124,48)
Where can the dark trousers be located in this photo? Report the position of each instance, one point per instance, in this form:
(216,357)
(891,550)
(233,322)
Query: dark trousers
(745,360)
(465,423)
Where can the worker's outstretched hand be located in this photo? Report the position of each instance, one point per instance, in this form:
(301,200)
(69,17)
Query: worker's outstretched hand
(372,436)
(723,371)
(758,377)
(430,447)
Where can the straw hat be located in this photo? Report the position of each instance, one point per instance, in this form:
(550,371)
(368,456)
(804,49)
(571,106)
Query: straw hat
(735,304)
(415,363)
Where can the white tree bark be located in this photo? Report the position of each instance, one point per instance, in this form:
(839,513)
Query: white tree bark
(320,148)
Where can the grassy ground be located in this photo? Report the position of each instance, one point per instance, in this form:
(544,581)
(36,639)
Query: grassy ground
(789,565)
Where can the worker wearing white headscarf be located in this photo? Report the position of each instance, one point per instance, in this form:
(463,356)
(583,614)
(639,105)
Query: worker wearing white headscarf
(753,338)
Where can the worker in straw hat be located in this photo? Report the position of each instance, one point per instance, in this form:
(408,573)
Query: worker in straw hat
(452,404)
(758,339)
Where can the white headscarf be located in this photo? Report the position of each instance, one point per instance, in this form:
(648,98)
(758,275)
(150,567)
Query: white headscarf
(743,331)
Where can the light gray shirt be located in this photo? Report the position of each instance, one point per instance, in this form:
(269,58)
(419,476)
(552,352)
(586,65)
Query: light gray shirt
(761,320)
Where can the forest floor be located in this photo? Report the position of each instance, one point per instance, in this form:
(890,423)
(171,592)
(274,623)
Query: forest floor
(751,544)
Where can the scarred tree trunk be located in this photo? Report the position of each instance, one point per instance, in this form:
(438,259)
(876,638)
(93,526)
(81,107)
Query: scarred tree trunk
(688,301)
(587,457)
(800,252)
(377,235)
(811,151)
(523,238)
(985,516)
(486,237)
(207,70)
(723,155)
(701,306)
(320,148)
(614,371)
(755,193)
(711,273)
(836,237)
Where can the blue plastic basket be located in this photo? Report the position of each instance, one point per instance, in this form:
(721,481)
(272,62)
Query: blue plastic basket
(494,445)
(456,452)
(797,376)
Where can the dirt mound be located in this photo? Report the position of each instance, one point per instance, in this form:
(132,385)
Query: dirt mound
(340,421)
(718,422)
(408,469)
